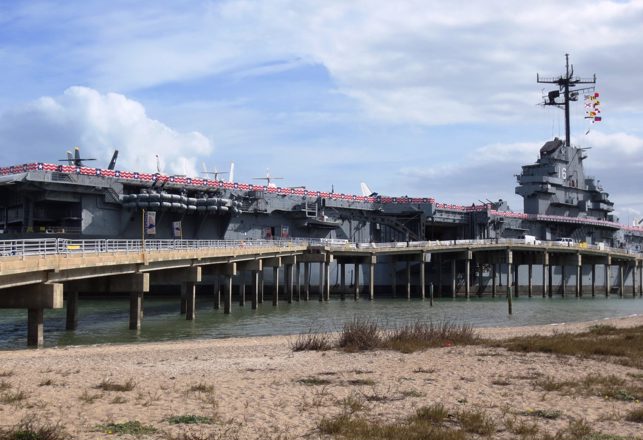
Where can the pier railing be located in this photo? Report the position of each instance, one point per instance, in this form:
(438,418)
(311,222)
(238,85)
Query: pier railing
(62,246)
(483,242)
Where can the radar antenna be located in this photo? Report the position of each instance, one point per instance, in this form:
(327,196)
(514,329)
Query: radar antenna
(565,83)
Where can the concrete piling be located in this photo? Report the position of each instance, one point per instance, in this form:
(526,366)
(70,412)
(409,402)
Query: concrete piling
(35,327)
(71,323)
(227,294)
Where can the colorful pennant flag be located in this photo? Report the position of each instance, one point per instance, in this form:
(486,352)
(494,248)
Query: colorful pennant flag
(592,110)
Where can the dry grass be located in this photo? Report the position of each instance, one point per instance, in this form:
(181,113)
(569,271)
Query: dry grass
(13,397)
(201,388)
(359,335)
(132,427)
(422,335)
(31,428)
(311,341)
(361,382)
(108,385)
(623,346)
(609,387)
(636,415)
(476,422)
(190,419)
(362,335)
(431,422)
(314,381)
(89,398)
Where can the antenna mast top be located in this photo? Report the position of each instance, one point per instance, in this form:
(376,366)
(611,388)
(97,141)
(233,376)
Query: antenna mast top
(565,83)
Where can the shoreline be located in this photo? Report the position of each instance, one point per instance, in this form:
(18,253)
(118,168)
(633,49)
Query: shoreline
(490,330)
(259,388)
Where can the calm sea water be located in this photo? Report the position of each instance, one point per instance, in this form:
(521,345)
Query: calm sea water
(106,320)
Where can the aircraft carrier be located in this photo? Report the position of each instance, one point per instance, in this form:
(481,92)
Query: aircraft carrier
(77,201)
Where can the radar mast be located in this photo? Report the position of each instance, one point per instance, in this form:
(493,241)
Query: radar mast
(566,88)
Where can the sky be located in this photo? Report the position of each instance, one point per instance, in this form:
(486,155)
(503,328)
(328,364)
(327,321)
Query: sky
(420,98)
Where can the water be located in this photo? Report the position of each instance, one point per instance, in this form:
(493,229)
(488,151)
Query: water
(106,320)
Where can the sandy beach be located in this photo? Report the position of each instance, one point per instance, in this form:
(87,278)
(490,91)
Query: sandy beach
(259,388)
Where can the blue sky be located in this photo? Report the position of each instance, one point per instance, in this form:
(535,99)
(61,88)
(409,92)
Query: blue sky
(422,98)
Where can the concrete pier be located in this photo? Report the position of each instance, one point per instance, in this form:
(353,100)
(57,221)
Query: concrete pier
(408,279)
(29,286)
(307,281)
(255,288)
(356,285)
(227,294)
(453,278)
(275,286)
(71,322)
(422,278)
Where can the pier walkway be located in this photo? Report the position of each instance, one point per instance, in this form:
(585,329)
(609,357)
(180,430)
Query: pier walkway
(43,274)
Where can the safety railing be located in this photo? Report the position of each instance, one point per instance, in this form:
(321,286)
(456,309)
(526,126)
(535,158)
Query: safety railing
(62,246)
(482,242)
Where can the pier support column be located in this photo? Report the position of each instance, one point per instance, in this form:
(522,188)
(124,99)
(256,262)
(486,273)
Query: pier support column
(298,277)
(509,271)
(467,277)
(563,284)
(579,275)
(493,280)
(242,289)
(545,267)
(422,278)
(544,290)
(641,278)
(608,277)
(342,276)
(35,298)
(356,286)
(550,281)
(288,279)
(261,286)
(255,289)
(634,279)
(35,327)
(371,281)
(408,279)
(481,284)
(327,280)
(190,300)
(227,294)
(183,304)
(621,279)
(306,281)
(516,283)
(440,275)
(530,281)
(322,281)
(593,280)
(275,285)
(71,322)
(393,278)
(217,292)
(453,278)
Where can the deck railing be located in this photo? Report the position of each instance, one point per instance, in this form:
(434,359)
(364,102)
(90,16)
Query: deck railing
(62,246)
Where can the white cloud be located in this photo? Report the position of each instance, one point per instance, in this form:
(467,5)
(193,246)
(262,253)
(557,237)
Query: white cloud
(415,61)
(98,124)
